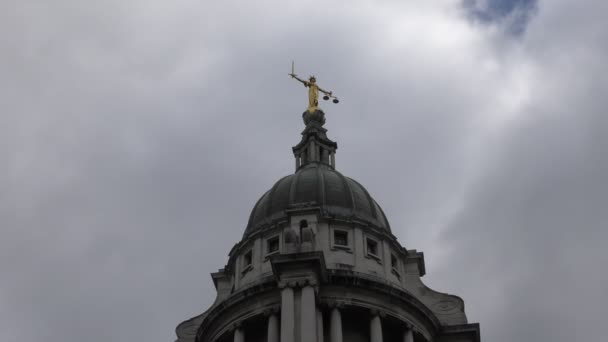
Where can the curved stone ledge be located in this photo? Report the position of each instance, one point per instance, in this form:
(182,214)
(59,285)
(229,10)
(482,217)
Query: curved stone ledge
(252,301)
(342,289)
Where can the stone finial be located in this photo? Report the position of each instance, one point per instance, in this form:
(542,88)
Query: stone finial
(316,117)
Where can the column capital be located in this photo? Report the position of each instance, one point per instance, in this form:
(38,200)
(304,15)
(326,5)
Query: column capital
(286,284)
(236,325)
(334,304)
(273,310)
(377,312)
(309,282)
(297,282)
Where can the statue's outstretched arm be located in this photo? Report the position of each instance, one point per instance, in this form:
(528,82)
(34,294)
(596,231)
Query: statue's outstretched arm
(298,79)
(324,91)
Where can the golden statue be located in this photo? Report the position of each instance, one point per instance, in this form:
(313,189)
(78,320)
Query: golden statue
(313,91)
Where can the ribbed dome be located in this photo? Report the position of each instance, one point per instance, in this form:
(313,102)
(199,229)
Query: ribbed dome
(317,185)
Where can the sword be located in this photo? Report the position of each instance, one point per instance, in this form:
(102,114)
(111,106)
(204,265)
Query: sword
(293,74)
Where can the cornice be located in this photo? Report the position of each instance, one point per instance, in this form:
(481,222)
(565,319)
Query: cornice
(355,282)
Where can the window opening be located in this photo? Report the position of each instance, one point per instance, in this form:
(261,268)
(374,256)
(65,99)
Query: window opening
(272,245)
(247,259)
(340,238)
(372,247)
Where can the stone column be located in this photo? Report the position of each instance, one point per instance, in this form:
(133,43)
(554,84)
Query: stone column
(320,336)
(408,335)
(336,325)
(308,315)
(273,328)
(287,315)
(375,329)
(239,335)
(312,148)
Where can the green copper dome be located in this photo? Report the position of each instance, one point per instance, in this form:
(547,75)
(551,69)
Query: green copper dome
(317,186)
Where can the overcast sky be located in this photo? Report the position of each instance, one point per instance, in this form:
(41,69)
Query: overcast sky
(136,136)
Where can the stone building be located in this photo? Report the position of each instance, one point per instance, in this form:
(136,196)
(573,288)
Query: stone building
(318,262)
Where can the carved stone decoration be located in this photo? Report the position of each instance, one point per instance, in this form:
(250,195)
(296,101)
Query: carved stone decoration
(447,306)
(307,235)
(291,236)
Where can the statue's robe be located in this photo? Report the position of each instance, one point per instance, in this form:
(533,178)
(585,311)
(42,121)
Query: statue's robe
(313,95)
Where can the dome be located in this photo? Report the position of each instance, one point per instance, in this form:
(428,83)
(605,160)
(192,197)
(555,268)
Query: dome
(317,185)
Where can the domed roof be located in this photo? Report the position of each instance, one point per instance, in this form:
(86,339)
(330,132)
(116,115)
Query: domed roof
(316,185)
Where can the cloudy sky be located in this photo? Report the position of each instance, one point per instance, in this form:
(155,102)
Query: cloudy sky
(136,136)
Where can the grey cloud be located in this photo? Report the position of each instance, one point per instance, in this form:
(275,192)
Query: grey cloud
(532,228)
(527,226)
(137,138)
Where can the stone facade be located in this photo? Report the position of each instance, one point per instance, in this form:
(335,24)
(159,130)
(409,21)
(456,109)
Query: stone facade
(318,262)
